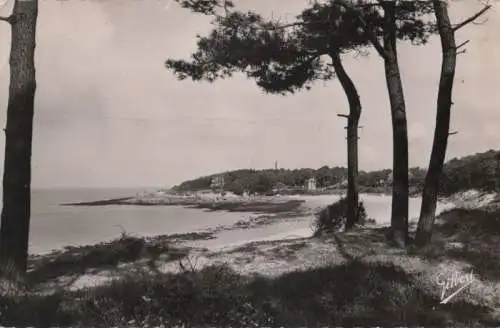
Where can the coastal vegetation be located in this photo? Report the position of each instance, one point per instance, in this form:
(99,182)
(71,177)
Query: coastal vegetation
(293,180)
(350,294)
(480,171)
(332,218)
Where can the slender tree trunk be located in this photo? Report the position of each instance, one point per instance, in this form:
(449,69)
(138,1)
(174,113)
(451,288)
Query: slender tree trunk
(399,214)
(352,140)
(441,132)
(352,173)
(15,222)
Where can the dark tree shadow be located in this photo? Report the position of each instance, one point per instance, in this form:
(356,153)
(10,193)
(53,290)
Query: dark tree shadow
(357,294)
(472,236)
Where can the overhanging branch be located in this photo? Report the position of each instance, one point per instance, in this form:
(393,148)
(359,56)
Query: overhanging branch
(6,19)
(471,19)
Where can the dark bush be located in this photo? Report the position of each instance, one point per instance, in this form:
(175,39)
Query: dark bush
(332,218)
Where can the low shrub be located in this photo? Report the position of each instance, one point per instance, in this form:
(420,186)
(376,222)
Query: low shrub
(370,221)
(333,217)
(78,260)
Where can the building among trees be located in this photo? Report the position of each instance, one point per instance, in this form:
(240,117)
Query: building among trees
(310,184)
(389,178)
(217,183)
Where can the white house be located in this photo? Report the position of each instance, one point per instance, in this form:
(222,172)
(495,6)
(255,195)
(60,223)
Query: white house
(311,184)
(217,182)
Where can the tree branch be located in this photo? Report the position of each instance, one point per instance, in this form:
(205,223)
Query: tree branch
(227,5)
(282,27)
(206,7)
(343,115)
(6,19)
(452,133)
(462,44)
(301,23)
(471,19)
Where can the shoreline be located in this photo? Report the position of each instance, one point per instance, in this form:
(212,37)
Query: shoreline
(281,211)
(269,207)
(240,204)
(104,202)
(208,200)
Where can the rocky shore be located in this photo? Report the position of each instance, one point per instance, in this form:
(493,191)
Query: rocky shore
(209,201)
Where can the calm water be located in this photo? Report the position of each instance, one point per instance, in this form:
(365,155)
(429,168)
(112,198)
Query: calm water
(54,226)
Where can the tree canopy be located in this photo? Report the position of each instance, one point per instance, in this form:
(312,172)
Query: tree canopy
(480,171)
(264,181)
(285,58)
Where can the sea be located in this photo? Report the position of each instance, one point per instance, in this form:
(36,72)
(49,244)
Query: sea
(54,226)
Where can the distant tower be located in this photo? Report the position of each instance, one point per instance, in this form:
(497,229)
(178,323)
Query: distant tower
(275,165)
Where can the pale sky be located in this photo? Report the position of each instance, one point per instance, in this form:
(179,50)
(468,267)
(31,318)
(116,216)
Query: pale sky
(109,114)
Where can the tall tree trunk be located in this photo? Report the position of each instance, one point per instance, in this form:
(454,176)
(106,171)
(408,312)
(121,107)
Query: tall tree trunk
(15,222)
(441,132)
(352,140)
(399,213)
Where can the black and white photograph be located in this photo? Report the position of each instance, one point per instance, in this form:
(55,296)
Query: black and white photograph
(250,163)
